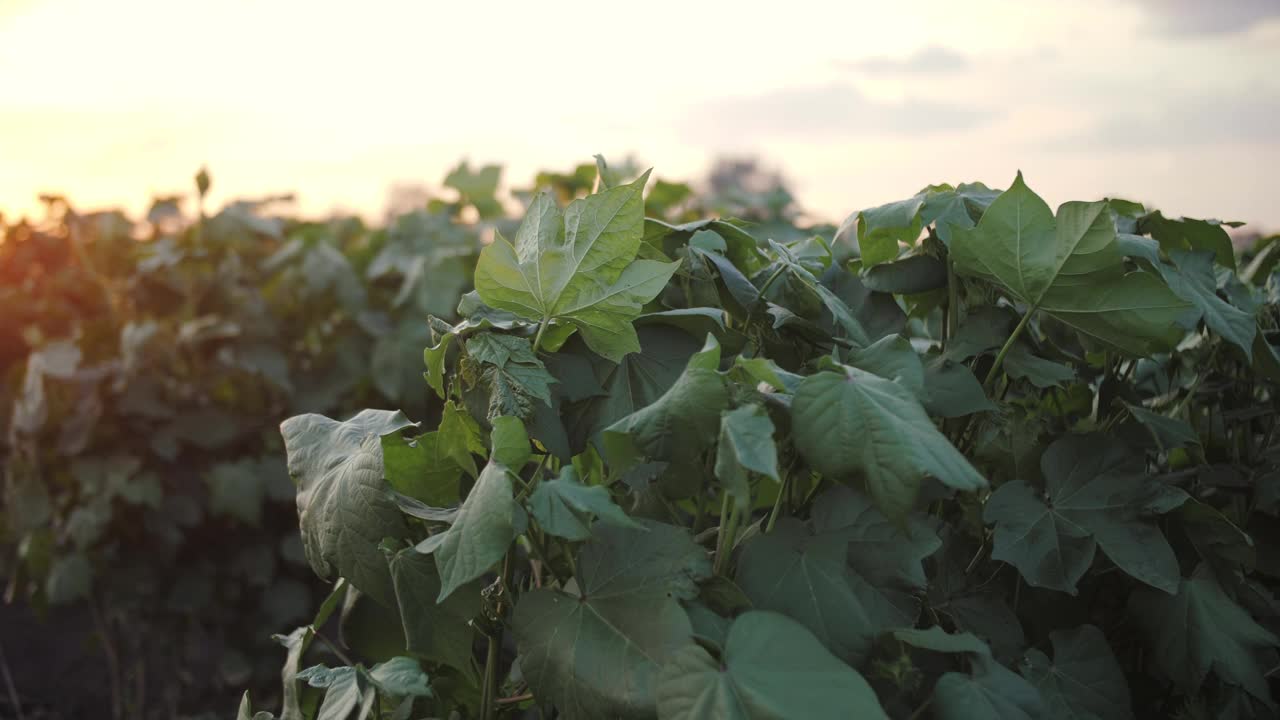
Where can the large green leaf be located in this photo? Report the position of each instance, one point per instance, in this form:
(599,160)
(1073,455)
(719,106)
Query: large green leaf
(598,393)
(881,230)
(1198,629)
(1192,279)
(991,692)
(771,668)
(564,507)
(746,446)
(1021,245)
(420,468)
(847,576)
(595,649)
(487,522)
(582,270)
(1070,267)
(1083,680)
(345,507)
(854,425)
(1095,495)
(1190,234)
(439,632)
(516,376)
(678,426)
(988,691)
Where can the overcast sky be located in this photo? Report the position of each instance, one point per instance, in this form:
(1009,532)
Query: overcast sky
(1175,103)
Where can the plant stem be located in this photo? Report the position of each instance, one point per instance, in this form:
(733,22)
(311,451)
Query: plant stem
(953,305)
(537,339)
(1008,344)
(489,708)
(769,283)
(728,529)
(488,704)
(334,647)
(516,699)
(777,504)
(12,689)
(724,521)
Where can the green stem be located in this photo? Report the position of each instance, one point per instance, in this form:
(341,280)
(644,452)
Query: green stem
(728,533)
(953,304)
(537,339)
(1008,344)
(777,504)
(720,531)
(488,704)
(489,708)
(536,545)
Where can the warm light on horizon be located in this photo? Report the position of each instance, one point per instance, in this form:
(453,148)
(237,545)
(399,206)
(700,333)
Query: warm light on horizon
(111,104)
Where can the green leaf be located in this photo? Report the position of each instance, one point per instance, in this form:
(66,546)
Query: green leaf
(420,468)
(746,446)
(1095,493)
(345,507)
(342,694)
(1195,282)
(564,506)
(951,390)
(1136,313)
(510,442)
(583,271)
(1070,267)
(513,372)
(1199,629)
(1190,234)
(1019,244)
(434,356)
(598,392)
(487,522)
(1169,433)
(938,640)
(1020,364)
(595,650)
(401,676)
(771,667)
(848,576)
(440,633)
(693,404)
(973,605)
(882,229)
(856,425)
(739,296)
(949,209)
(892,358)
(1083,680)
(843,317)
(459,437)
(907,276)
(764,370)
(990,691)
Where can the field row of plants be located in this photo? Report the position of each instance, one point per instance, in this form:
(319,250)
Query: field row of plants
(145,365)
(649,453)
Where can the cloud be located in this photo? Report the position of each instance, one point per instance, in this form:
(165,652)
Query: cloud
(1185,122)
(836,110)
(928,59)
(1207,17)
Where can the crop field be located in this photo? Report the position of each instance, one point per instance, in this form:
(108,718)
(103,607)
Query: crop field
(615,446)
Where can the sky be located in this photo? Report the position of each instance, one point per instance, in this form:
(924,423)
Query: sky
(1174,103)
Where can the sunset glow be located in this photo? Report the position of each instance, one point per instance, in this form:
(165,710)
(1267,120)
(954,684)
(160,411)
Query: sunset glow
(110,103)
